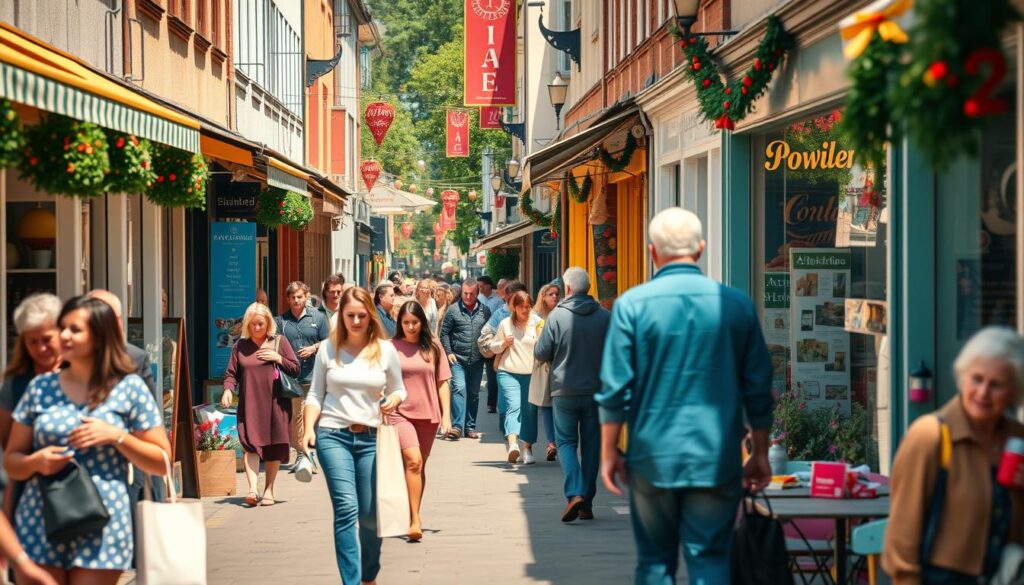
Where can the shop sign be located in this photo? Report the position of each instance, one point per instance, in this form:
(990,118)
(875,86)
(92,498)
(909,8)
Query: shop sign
(490,53)
(236,199)
(827,157)
(457,133)
(490,118)
(232,287)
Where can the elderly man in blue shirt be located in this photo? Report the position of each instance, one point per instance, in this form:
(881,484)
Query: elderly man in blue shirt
(686,368)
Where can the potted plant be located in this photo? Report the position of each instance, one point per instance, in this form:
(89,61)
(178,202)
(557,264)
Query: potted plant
(823,433)
(216,460)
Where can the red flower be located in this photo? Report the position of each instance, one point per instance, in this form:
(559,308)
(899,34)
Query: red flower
(81,147)
(172,176)
(757,64)
(695,67)
(608,276)
(33,161)
(744,90)
(120,142)
(71,168)
(707,83)
(726,105)
(160,179)
(144,164)
(747,81)
(206,426)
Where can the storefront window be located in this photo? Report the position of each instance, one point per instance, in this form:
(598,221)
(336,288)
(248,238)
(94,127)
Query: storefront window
(817,244)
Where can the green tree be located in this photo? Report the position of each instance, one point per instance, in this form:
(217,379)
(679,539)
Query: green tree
(413,29)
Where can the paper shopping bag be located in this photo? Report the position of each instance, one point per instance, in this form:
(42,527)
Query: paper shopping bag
(170,540)
(392,493)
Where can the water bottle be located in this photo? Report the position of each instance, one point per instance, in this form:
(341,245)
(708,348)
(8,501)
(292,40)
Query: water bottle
(778,459)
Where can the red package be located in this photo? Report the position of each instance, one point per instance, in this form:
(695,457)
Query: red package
(828,480)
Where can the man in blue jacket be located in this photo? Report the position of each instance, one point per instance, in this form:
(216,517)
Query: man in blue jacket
(460,330)
(684,361)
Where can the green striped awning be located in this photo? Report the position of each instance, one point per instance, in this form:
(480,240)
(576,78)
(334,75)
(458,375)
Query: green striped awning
(38,91)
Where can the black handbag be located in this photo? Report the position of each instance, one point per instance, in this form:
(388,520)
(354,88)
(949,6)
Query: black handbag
(759,554)
(72,506)
(285,386)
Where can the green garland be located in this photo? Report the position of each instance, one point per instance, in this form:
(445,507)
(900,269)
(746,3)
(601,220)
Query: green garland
(579,193)
(617,165)
(556,218)
(502,263)
(66,157)
(725,104)
(131,163)
(526,208)
(276,207)
(180,179)
(12,139)
(868,117)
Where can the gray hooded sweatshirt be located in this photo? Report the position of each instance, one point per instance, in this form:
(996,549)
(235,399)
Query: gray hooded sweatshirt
(572,341)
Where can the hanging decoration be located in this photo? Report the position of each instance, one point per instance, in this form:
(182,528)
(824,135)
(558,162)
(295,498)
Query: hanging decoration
(728,103)
(868,116)
(180,179)
(430,191)
(131,163)
(413,189)
(370,170)
(438,234)
(579,193)
(65,157)
(399,184)
(556,218)
(526,208)
(406,229)
(618,163)
(471,195)
(12,139)
(449,205)
(379,116)
(276,207)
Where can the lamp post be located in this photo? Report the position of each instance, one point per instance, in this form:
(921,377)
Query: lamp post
(556,93)
(513,167)
(686,16)
(496,182)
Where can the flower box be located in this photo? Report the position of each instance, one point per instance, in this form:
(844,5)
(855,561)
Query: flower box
(217,473)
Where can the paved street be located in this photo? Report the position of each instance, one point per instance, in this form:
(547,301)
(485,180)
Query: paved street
(484,522)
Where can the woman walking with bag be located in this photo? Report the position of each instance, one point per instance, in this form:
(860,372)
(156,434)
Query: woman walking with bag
(264,418)
(425,372)
(540,392)
(357,379)
(513,346)
(85,423)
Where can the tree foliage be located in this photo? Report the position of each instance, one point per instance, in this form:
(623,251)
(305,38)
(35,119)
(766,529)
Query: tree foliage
(413,29)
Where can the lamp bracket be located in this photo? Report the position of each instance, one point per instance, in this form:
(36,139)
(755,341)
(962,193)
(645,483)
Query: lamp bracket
(319,67)
(517,130)
(566,41)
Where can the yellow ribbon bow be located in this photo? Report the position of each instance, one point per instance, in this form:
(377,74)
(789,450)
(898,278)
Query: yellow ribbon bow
(859,28)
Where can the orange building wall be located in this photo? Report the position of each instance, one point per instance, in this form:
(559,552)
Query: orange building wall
(319,44)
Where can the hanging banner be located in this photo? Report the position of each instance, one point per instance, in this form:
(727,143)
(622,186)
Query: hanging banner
(490,53)
(406,229)
(490,118)
(232,287)
(438,235)
(370,170)
(379,116)
(457,133)
(449,204)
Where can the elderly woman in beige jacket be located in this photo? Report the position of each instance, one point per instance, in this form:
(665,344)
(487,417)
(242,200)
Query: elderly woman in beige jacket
(540,391)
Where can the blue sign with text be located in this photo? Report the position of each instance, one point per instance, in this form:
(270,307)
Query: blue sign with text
(232,287)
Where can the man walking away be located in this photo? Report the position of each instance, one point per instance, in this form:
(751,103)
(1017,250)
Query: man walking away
(572,341)
(460,331)
(683,362)
(304,329)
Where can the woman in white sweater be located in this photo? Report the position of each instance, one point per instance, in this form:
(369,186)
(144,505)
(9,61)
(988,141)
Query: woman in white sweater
(357,379)
(513,345)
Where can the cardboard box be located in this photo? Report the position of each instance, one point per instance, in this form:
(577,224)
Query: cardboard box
(828,480)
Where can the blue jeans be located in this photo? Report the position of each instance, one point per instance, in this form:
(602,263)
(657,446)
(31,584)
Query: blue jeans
(465,389)
(492,383)
(578,437)
(528,430)
(512,392)
(348,460)
(701,519)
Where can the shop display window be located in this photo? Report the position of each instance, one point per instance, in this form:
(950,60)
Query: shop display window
(819,250)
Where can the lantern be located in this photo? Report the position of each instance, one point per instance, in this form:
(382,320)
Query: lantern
(499,201)
(379,116)
(406,229)
(449,203)
(413,189)
(472,195)
(437,257)
(430,191)
(370,170)
(920,384)
(398,183)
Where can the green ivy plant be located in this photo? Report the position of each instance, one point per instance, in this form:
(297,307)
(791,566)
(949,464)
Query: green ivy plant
(131,163)
(66,157)
(12,139)
(502,263)
(180,179)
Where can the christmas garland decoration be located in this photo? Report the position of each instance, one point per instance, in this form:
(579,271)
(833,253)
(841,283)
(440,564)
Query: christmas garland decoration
(868,117)
(556,218)
(580,193)
(131,163)
(728,103)
(617,165)
(526,208)
(180,179)
(12,140)
(276,207)
(65,157)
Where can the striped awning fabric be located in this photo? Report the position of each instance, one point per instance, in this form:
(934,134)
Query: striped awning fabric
(287,177)
(26,87)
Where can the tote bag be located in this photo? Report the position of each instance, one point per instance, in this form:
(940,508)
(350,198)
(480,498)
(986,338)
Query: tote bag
(170,539)
(392,493)
(759,554)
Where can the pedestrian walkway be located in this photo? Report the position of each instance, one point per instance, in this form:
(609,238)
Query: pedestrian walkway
(484,521)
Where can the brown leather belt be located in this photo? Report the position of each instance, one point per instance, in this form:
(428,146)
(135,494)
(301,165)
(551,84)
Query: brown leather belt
(358,429)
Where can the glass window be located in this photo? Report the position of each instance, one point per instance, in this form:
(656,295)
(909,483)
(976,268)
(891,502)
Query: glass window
(817,242)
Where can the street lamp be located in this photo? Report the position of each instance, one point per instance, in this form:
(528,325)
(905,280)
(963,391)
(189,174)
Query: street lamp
(513,167)
(686,16)
(421,165)
(556,93)
(496,182)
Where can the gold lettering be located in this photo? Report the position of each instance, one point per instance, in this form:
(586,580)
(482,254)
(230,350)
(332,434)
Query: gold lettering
(841,158)
(827,157)
(776,151)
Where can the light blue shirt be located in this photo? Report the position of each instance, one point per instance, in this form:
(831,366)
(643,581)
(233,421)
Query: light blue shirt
(683,362)
(498,314)
(492,302)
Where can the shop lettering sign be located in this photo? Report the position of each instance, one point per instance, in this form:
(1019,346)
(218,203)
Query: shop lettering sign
(489,57)
(811,221)
(827,157)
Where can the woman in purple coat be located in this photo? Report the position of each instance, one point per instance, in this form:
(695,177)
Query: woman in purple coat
(264,419)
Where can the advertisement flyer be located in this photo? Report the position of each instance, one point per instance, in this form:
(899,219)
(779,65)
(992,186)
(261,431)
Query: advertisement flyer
(819,285)
(232,287)
(776,326)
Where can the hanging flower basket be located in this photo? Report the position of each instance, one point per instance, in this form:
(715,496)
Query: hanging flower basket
(12,139)
(65,157)
(131,163)
(277,207)
(180,179)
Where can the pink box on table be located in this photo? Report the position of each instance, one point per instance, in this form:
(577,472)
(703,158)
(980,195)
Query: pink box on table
(828,480)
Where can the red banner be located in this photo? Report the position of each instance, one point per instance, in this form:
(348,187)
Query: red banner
(490,118)
(457,133)
(490,53)
(449,205)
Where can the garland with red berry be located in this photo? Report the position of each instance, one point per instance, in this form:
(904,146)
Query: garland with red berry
(276,207)
(579,193)
(12,140)
(131,163)
(526,208)
(556,218)
(65,157)
(619,163)
(727,103)
(180,179)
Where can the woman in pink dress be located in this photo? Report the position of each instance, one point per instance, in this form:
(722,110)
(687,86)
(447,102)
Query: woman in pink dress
(425,372)
(264,419)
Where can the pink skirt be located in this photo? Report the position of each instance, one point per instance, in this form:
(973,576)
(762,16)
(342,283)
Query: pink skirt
(414,433)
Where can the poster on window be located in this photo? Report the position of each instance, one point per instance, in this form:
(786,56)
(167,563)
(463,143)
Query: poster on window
(777,326)
(860,203)
(819,285)
(490,53)
(232,287)
(457,133)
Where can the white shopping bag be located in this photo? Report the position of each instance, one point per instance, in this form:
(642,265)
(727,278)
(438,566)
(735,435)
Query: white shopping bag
(392,493)
(170,540)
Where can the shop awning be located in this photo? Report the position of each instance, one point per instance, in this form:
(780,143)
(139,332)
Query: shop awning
(386,200)
(284,176)
(38,75)
(224,150)
(562,154)
(504,236)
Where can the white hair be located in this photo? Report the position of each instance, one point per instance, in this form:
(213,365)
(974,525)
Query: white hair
(577,280)
(36,311)
(675,233)
(995,343)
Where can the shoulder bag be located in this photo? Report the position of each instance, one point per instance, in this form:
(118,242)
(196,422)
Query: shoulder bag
(759,555)
(72,506)
(285,386)
(170,539)
(483,344)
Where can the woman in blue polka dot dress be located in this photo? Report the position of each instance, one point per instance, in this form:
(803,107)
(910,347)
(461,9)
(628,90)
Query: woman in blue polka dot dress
(95,411)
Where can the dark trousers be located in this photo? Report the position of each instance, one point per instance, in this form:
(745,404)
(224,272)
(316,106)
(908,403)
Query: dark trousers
(492,383)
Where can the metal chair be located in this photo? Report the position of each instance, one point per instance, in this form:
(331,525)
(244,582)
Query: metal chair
(867,540)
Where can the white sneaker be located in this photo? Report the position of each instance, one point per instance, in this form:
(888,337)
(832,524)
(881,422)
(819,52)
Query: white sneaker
(528,458)
(513,453)
(299,457)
